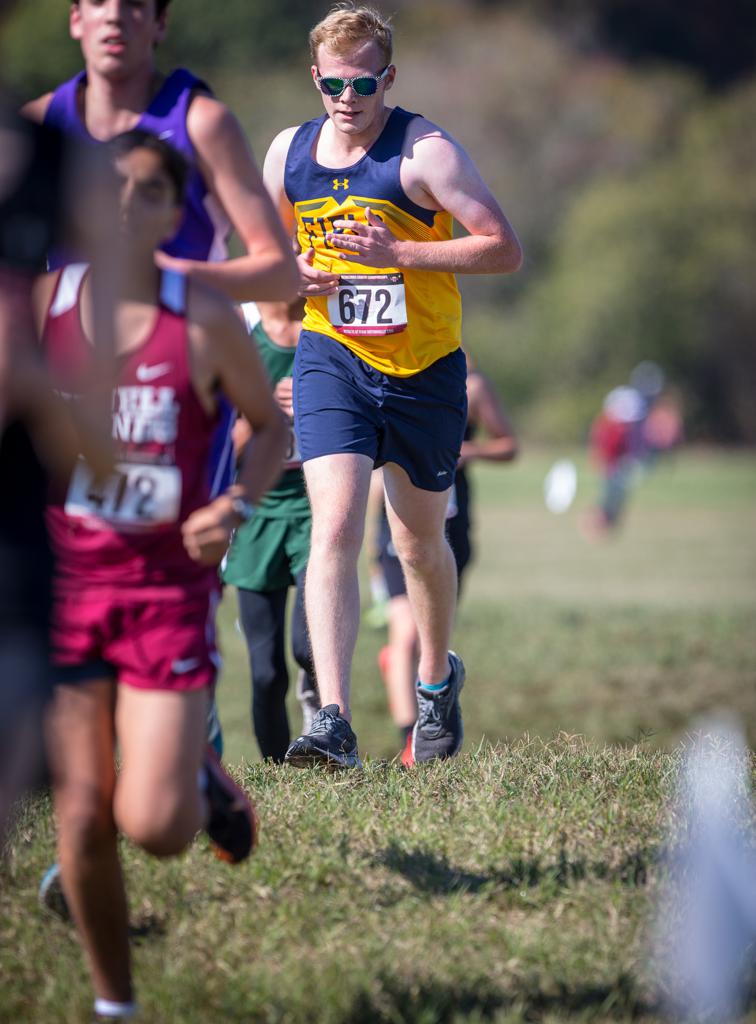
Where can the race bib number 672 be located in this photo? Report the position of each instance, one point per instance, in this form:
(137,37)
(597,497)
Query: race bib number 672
(369,304)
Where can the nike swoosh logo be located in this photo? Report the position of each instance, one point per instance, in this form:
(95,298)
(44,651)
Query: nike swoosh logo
(167,134)
(146,373)
(184,665)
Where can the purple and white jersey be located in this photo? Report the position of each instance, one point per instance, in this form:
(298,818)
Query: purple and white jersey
(205,228)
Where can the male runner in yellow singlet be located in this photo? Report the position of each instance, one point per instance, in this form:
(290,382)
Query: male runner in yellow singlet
(379,376)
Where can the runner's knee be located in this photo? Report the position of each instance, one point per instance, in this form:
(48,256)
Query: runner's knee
(85,819)
(420,554)
(337,535)
(163,828)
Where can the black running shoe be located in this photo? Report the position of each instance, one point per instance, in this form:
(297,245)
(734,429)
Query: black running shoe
(330,742)
(438,730)
(233,824)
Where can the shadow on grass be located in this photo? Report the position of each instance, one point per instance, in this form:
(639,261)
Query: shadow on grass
(435,1003)
(433,874)
(148,926)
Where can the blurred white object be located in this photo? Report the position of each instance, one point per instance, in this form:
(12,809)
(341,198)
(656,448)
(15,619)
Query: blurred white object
(560,486)
(707,926)
(251,315)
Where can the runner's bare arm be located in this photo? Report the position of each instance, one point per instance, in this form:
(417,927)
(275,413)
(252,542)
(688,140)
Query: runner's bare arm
(59,432)
(267,270)
(485,409)
(243,380)
(241,432)
(35,110)
(26,392)
(311,280)
(224,359)
(273,176)
(437,174)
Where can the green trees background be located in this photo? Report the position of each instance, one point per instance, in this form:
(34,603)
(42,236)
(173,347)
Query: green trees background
(618,136)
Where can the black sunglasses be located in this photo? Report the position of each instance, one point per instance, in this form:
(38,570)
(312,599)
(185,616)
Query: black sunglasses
(363,85)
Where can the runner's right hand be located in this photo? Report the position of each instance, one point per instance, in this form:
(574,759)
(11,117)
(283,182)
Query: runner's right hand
(207,531)
(282,394)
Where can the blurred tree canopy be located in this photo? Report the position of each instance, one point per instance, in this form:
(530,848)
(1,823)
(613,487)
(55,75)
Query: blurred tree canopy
(617,135)
(232,34)
(715,38)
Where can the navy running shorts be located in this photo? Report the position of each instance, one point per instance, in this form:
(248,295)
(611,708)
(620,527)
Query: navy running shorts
(344,405)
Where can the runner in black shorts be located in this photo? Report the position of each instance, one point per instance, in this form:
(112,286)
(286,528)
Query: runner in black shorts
(269,554)
(398,659)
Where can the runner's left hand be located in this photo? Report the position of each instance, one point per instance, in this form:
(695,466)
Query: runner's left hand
(373,244)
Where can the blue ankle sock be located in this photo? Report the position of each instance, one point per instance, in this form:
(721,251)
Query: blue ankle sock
(433,687)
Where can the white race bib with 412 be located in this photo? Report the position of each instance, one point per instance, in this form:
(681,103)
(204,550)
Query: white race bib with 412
(369,304)
(135,496)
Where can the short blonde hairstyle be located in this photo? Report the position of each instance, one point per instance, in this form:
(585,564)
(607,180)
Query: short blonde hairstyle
(348,26)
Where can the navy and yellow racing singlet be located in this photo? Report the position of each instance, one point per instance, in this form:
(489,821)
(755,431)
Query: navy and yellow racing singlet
(399,321)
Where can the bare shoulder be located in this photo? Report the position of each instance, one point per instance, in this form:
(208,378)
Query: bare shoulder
(36,110)
(427,140)
(210,122)
(279,147)
(275,161)
(421,128)
(430,155)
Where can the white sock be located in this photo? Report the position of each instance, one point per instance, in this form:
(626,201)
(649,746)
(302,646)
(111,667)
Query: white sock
(108,1008)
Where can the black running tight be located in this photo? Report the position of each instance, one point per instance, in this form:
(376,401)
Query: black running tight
(262,615)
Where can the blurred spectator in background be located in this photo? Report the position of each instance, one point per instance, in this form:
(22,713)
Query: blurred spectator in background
(663,427)
(637,422)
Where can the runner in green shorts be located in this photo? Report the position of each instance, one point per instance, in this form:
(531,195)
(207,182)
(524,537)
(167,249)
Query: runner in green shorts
(269,553)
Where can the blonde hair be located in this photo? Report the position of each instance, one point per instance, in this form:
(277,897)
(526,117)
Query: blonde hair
(349,25)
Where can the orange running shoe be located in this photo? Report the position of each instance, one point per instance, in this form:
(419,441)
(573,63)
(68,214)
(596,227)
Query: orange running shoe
(407,757)
(233,827)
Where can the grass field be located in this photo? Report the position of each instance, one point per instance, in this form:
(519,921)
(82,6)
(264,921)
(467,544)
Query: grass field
(514,884)
(619,641)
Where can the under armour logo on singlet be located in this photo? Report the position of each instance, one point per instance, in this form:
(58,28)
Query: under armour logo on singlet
(344,183)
